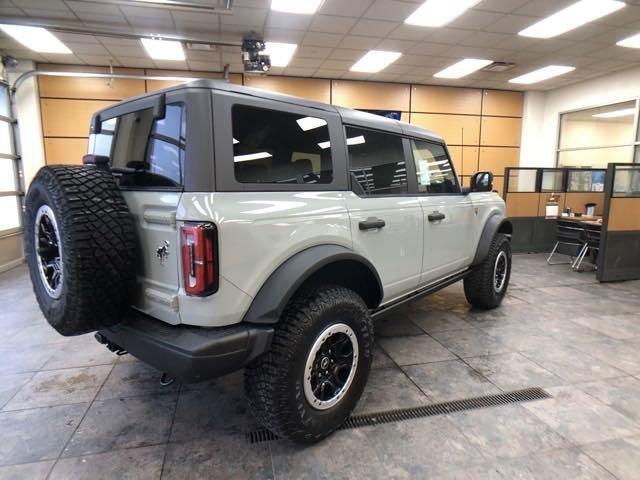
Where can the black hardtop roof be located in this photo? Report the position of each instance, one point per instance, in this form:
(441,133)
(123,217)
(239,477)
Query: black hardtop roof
(349,116)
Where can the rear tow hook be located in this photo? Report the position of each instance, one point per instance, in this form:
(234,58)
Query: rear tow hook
(112,347)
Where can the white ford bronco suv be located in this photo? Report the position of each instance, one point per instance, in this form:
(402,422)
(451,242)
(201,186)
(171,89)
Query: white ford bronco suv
(214,227)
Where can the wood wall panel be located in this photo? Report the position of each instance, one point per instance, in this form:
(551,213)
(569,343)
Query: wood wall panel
(371,95)
(502,132)
(311,88)
(498,184)
(544,198)
(455,151)
(496,159)
(68,118)
(455,129)
(522,204)
(432,99)
(502,103)
(577,201)
(470,160)
(64,150)
(90,88)
(624,215)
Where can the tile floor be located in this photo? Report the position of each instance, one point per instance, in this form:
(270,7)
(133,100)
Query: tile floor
(71,409)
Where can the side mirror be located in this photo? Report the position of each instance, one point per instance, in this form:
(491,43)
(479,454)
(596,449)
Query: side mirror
(482,182)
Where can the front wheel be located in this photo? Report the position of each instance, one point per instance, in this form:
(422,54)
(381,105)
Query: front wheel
(306,386)
(487,284)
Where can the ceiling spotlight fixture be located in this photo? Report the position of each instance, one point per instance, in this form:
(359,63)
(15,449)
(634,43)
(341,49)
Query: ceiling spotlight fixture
(463,68)
(36,38)
(436,13)
(374,61)
(623,112)
(280,53)
(303,7)
(542,74)
(630,42)
(573,16)
(163,49)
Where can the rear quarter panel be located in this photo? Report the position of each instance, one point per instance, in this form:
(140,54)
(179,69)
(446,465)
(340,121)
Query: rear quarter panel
(257,232)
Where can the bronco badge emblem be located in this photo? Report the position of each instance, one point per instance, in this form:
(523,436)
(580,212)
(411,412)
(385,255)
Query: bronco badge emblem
(162,252)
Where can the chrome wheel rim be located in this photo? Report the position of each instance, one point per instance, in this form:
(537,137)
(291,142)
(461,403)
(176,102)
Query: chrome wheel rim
(500,272)
(49,251)
(331,366)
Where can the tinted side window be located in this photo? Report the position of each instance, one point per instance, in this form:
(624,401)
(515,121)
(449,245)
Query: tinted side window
(271,146)
(144,152)
(433,168)
(376,162)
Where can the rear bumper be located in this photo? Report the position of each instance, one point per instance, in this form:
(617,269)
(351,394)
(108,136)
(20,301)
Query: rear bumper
(191,354)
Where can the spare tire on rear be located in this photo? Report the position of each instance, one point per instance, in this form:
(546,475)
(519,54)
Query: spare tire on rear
(80,247)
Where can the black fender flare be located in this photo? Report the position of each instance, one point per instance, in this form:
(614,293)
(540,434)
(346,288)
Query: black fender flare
(494,224)
(270,301)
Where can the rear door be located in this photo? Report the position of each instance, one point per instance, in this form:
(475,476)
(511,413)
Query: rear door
(448,214)
(386,220)
(147,156)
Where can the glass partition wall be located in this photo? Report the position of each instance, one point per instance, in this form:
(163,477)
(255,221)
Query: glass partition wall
(595,137)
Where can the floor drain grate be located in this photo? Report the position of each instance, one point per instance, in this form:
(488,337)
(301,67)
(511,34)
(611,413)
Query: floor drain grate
(357,421)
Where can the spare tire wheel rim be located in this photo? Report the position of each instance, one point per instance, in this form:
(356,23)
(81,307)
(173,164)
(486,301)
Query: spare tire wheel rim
(331,366)
(49,251)
(500,271)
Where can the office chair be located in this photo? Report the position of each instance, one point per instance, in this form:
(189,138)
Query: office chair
(567,233)
(591,239)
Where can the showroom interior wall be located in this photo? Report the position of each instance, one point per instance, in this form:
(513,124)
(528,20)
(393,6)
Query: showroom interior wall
(481,127)
(542,111)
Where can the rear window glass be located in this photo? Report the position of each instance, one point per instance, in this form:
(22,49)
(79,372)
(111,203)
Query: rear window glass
(270,146)
(144,152)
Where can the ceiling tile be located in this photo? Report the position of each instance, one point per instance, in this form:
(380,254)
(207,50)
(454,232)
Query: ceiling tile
(394,45)
(504,6)
(350,8)
(284,36)
(322,39)
(352,41)
(410,32)
(128,50)
(213,66)
(485,39)
(87,48)
(98,59)
(346,54)
(48,14)
(299,72)
(245,16)
(288,20)
(390,10)
(300,62)
(312,52)
(425,48)
(511,24)
(43,4)
(543,8)
(331,24)
(475,20)
(87,7)
(137,62)
(331,64)
(448,35)
(373,28)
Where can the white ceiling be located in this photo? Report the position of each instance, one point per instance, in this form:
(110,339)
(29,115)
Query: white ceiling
(342,31)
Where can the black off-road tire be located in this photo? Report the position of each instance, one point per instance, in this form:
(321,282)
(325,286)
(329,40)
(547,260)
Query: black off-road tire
(274,382)
(97,247)
(479,285)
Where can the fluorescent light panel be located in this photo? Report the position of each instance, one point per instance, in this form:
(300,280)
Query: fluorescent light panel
(36,38)
(436,13)
(163,49)
(463,68)
(374,61)
(573,16)
(309,123)
(251,156)
(302,7)
(279,53)
(630,42)
(623,112)
(542,74)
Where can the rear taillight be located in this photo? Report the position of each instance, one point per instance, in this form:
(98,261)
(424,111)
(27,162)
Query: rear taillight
(200,259)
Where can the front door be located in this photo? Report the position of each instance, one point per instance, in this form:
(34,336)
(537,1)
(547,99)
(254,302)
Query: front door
(147,157)
(447,213)
(386,220)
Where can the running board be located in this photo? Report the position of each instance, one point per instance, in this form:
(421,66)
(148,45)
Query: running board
(380,312)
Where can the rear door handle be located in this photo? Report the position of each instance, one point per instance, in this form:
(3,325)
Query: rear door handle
(371,223)
(435,216)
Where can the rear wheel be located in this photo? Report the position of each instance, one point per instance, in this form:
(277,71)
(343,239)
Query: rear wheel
(306,386)
(487,284)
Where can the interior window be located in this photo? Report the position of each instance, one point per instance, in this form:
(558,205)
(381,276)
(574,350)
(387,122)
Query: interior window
(376,162)
(270,146)
(145,152)
(433,168)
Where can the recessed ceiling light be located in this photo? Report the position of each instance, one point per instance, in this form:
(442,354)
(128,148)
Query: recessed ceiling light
(36,38)
(304,7)
(542,74)
(573,16)
(623,112)
(630,42)
(463,68)
(280,53)
(436,13)
(374,61)
(309,123)
(163,49)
